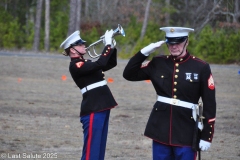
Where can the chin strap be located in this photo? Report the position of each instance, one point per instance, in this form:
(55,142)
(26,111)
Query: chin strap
(80,54)
(182,50)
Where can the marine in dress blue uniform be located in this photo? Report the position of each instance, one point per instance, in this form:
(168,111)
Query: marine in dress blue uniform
(97,99)
(180,81)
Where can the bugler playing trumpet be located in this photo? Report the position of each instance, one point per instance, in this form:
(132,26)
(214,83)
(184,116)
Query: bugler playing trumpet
(118,31)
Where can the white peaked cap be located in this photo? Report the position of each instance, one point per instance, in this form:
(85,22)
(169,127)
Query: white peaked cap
(71,39)
(176,31)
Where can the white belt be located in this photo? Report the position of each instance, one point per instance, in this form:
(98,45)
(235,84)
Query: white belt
(184,104)
(94,85)
(176,102)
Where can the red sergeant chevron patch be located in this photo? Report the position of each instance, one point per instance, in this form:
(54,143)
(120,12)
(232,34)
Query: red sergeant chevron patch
(211,82)
(79,64)
(145,64)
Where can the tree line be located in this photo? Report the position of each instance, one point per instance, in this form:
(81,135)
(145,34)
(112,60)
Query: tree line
(41,25)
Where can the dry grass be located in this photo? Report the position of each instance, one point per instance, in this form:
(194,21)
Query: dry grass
(39,112)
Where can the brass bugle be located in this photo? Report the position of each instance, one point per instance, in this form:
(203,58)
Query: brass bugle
(118,31)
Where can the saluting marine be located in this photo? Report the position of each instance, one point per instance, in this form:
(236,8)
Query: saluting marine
(97,99)
(180,80)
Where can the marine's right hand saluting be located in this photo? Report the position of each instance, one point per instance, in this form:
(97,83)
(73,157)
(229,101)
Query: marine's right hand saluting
(151,48)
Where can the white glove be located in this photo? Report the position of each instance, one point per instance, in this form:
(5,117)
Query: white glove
(108,37)
(204,145)
(151,48)
(113,44)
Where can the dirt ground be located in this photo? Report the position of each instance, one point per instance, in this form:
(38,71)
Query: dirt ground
(39,111)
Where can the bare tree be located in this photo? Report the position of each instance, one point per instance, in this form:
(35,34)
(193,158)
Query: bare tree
(86,11)
(47,25)
(78,14)
(167,14)
(37,26)
(105,11)
(72,17)
(209,16)
(144,27)
(99,11)
(236,16)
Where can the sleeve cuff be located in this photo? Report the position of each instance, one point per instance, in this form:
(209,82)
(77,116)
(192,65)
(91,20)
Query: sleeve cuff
(145,54)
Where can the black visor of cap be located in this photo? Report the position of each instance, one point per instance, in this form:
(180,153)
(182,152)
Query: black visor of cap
(78,42)
(175,40)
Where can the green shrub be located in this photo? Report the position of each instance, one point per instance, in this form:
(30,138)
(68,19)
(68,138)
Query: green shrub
(13,36)
(59,29)
(219,46)
(10,31)
(29,36)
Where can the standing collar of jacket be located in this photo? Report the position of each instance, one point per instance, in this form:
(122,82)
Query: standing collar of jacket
(182,59)
(77,58)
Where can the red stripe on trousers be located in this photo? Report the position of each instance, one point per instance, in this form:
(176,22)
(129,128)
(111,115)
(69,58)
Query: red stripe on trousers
(89,136)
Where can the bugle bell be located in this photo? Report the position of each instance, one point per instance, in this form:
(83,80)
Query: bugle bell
(118,31)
